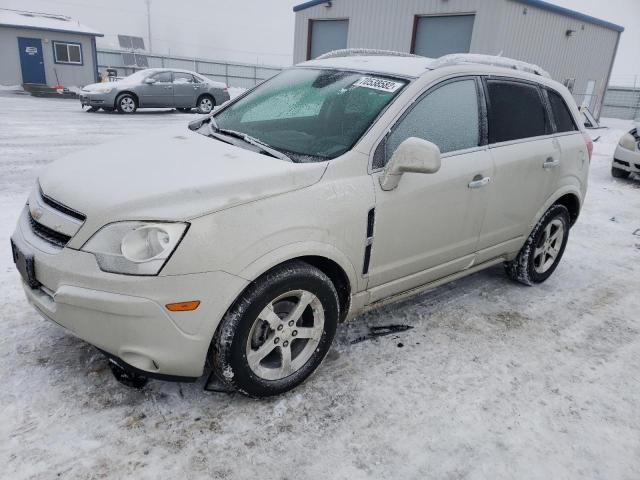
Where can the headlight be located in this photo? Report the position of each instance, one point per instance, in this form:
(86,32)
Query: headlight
(135,248)
(103,90)
(628,141)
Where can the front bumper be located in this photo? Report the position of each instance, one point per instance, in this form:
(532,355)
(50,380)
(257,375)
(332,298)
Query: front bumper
(627,160)
(92,99)
(125,315)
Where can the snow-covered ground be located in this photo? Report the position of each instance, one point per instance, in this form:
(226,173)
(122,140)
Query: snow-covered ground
(495,380)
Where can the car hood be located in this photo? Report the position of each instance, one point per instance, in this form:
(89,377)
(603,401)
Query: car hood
(173,174)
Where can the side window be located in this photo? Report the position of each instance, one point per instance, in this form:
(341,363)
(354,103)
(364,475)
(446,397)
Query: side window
(447,116)
(561,113)
(179,77)
(163,77)
(515,111)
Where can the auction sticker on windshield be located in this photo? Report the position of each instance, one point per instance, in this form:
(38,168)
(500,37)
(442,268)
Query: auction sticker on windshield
(378,84)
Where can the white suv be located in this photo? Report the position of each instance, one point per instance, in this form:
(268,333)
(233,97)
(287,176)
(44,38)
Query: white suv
(338,185)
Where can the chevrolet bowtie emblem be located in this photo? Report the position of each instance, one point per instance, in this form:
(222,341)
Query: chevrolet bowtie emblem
(36,213)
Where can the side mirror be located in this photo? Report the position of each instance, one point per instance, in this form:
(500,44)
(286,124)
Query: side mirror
(150,81)
(414,155)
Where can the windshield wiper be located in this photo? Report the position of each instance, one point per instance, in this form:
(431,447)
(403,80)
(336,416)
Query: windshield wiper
(251,141)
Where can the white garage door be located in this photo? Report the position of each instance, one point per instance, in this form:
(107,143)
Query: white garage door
(327,35)
(437,36)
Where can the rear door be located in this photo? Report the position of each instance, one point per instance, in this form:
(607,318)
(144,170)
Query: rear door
(185,89)
(158,94)
(525,154)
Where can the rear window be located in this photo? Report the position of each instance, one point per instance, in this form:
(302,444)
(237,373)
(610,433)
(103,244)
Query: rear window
(515,111)
(561,113)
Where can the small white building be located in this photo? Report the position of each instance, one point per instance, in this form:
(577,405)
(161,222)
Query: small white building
(44,49)
(574,48)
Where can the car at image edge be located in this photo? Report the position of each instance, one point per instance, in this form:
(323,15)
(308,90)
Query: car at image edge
(626,159)
(156,88)
(337,186)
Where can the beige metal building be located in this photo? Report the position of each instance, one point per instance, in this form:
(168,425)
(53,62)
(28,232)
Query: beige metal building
(576,49)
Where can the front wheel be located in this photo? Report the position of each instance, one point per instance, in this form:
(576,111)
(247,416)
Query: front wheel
(126,103)
(278,332)
(542,251)
(205,104)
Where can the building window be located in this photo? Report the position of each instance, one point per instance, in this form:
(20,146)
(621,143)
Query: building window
(70,53)
(326,36)
(434,36)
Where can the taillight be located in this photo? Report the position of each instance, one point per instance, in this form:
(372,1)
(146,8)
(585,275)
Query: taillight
(587,139)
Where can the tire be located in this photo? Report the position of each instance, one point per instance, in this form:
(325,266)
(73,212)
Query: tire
(184,110)
(126,103)
(543,250)
(619,173)
(205,104)
(247,350)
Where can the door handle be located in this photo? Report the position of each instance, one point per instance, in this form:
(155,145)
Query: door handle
(550,163)
(479,181)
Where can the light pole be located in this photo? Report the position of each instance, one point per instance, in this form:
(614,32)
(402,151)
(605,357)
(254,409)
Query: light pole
(148,2)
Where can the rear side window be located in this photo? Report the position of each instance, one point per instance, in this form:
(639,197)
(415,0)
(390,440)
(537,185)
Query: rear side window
(447,116)
(561,113)
(515,111)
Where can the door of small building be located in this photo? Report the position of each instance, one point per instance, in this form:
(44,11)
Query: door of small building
(434,36)
(326,36)
(31,60)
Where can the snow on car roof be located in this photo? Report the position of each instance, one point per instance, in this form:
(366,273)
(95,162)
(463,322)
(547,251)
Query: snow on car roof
(44,21)
(386,64)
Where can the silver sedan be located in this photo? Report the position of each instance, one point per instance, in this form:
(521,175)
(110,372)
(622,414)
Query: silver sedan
(156,88)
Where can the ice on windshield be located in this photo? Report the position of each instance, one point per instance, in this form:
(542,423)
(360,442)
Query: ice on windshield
(311,113)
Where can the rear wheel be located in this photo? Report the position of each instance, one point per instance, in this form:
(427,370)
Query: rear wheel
(205,104)
(126,103)
(278,332)
(544,248)
(619,173)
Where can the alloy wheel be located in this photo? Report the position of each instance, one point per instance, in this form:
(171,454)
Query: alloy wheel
(549,246)
(285,335)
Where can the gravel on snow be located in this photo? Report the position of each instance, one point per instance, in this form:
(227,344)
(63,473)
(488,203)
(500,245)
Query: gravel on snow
(495,380)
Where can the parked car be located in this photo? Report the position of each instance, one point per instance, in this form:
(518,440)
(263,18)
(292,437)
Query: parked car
(156,88)
(335,187)
(626,159)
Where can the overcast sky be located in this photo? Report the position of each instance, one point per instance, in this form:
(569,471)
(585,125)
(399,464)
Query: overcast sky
(262,30)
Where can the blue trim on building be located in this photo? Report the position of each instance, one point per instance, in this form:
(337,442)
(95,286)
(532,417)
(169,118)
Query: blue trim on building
(305,5)
(532,3)
(59,30)
(571,13)
(95,58)
(63,42)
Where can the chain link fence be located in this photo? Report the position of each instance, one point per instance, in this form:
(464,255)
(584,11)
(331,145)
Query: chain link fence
(240,75)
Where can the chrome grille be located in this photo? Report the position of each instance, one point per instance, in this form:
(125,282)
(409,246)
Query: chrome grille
(46,233)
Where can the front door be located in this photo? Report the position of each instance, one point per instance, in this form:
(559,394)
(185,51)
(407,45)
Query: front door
(428,227)
(31,60)
(158,94)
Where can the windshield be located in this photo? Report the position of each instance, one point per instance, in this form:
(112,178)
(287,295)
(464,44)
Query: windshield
(311,114)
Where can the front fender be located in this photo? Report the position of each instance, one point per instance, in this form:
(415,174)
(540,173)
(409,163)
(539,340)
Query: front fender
(297,250)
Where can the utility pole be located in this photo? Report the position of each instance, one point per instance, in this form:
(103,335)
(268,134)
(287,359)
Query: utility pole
(148,2)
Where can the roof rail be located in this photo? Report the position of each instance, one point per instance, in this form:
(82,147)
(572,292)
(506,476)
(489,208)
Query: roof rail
(496,61)
(364,52)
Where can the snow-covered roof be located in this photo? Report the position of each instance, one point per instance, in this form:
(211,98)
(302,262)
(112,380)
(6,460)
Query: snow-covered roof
(387,64)
(44,21)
